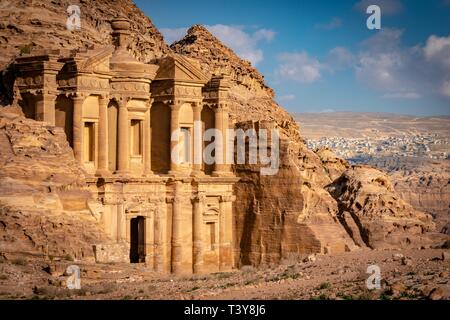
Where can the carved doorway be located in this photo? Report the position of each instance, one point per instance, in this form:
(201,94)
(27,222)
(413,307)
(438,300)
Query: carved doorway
(137,240)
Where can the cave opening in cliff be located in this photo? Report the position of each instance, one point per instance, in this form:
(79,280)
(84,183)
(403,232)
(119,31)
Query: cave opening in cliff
(137,240)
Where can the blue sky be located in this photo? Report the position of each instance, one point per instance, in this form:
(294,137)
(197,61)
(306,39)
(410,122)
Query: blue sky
(319,55)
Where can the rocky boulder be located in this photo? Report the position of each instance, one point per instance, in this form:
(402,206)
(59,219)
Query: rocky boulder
(366,196)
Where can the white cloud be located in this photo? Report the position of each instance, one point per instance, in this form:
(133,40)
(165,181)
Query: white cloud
(437,49)
(264,34)
(403,72)
(386,38)
(332,24)
(173,34)
(327,110)
(287,97)
(388,7)
(379,71)
(402,95)
(382,63)
(299,67)
(385,65)
(445,89)
(244,42)
(339,58)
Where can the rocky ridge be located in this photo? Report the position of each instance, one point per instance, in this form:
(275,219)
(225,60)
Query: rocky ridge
(367,196)
(424,183)
(251,98)
(29,25)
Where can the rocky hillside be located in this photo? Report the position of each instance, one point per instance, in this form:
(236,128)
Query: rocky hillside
(43,201)
(251,98)
(367,199)
(27,25)
(422,182)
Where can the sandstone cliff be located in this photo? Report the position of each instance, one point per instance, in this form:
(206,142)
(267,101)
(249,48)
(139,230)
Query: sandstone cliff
(424,183)
(28,25)
(37,24)
(44,208)
(366,196)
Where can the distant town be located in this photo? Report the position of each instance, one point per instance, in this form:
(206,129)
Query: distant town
(431,146)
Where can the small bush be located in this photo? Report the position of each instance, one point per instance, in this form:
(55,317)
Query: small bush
(69,257)
(324,285)
(26,49)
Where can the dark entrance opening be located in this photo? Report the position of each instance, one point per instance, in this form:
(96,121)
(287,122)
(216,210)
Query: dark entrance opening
(137,245)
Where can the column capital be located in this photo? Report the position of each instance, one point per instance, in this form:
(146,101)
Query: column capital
(221,108)
(103,97)
(199,198)
(78,98)
(174,199)
(197,106)
(122,102)
(175,106)
(50,94)
(227,198)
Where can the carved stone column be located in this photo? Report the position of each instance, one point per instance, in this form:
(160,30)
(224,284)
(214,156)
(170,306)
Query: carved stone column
(221,123)
(198,204)
(174,125)
(226,233)
(123,149)
(121,223)
(45,108)
(103,141)
(177,221)
(148,142)
(198,140)
(161,236)
(150,239)
(77,127)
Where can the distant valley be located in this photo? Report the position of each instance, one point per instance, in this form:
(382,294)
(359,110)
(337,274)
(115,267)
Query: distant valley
(413,150)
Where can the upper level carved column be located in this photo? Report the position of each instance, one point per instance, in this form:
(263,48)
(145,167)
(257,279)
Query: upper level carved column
(77,127)
(174,126)
(198,139)
(221,122)
(103,136)
(123,149)
(45,108)
(148,141)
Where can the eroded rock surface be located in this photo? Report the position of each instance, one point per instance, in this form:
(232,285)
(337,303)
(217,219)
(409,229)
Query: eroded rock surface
(384,220)
(44,208)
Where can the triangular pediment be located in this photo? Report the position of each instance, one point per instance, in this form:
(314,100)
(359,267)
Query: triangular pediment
(179,68)
(97,60)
